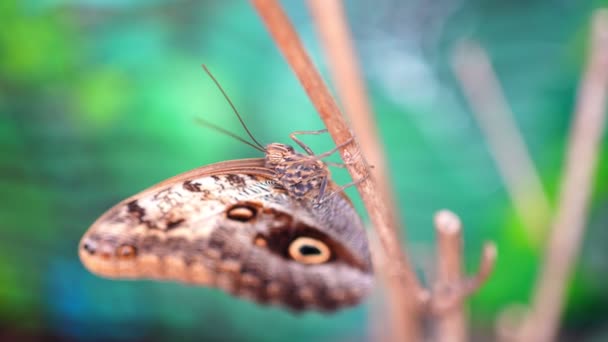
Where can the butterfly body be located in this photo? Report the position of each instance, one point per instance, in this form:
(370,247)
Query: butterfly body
(304,176)
(245,226)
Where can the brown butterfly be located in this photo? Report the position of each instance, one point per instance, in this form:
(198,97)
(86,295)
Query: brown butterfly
(275,230)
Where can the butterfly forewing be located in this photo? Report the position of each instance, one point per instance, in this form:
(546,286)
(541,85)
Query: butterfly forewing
(232,226)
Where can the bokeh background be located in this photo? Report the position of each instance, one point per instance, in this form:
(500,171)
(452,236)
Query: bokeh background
(98,101)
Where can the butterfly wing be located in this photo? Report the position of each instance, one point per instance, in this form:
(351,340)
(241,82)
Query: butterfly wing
(230,225)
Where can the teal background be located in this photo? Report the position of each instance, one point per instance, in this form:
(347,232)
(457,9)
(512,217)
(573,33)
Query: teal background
(98,101)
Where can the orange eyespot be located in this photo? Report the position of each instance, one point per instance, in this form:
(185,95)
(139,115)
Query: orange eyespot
(260,242)
(241,213)
(126,252)
(309,251)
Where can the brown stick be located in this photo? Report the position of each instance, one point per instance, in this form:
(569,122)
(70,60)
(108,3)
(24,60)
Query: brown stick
(496,120)
(451,326)
(452,286)
(344,68)
(447,298)
(403,286)
(569,224)
(334,33)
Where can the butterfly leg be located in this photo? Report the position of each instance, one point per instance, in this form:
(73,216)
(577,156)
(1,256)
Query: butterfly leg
(334,164)
(334,150)
(343,165)
(309,150)
(344,187)
(301,143)
(322,188)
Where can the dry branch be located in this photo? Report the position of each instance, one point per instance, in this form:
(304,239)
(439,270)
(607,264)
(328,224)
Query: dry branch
(496,120)
(569,224)
(344,68)
(451,326)
(334,33)
(452,286)
(404,291)
(403,280)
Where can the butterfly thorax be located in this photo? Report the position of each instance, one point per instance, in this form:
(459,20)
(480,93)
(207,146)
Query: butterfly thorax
(304,176)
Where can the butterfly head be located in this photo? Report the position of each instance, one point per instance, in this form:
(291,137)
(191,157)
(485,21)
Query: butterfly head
(277,153)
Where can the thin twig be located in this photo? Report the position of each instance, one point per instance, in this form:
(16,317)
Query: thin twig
(569,225)
(496,120)
(403,282)
(334,33)
(451,326)
(449,294)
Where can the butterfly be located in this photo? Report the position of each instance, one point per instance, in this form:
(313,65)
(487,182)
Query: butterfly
(275,230)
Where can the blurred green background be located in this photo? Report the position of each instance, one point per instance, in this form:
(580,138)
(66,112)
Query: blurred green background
(98,100)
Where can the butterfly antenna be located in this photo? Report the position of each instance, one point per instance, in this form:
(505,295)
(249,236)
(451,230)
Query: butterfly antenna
(235,112)
(204,122)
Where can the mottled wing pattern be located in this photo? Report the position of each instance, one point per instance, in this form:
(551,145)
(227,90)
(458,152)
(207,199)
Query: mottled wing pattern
(230,225)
